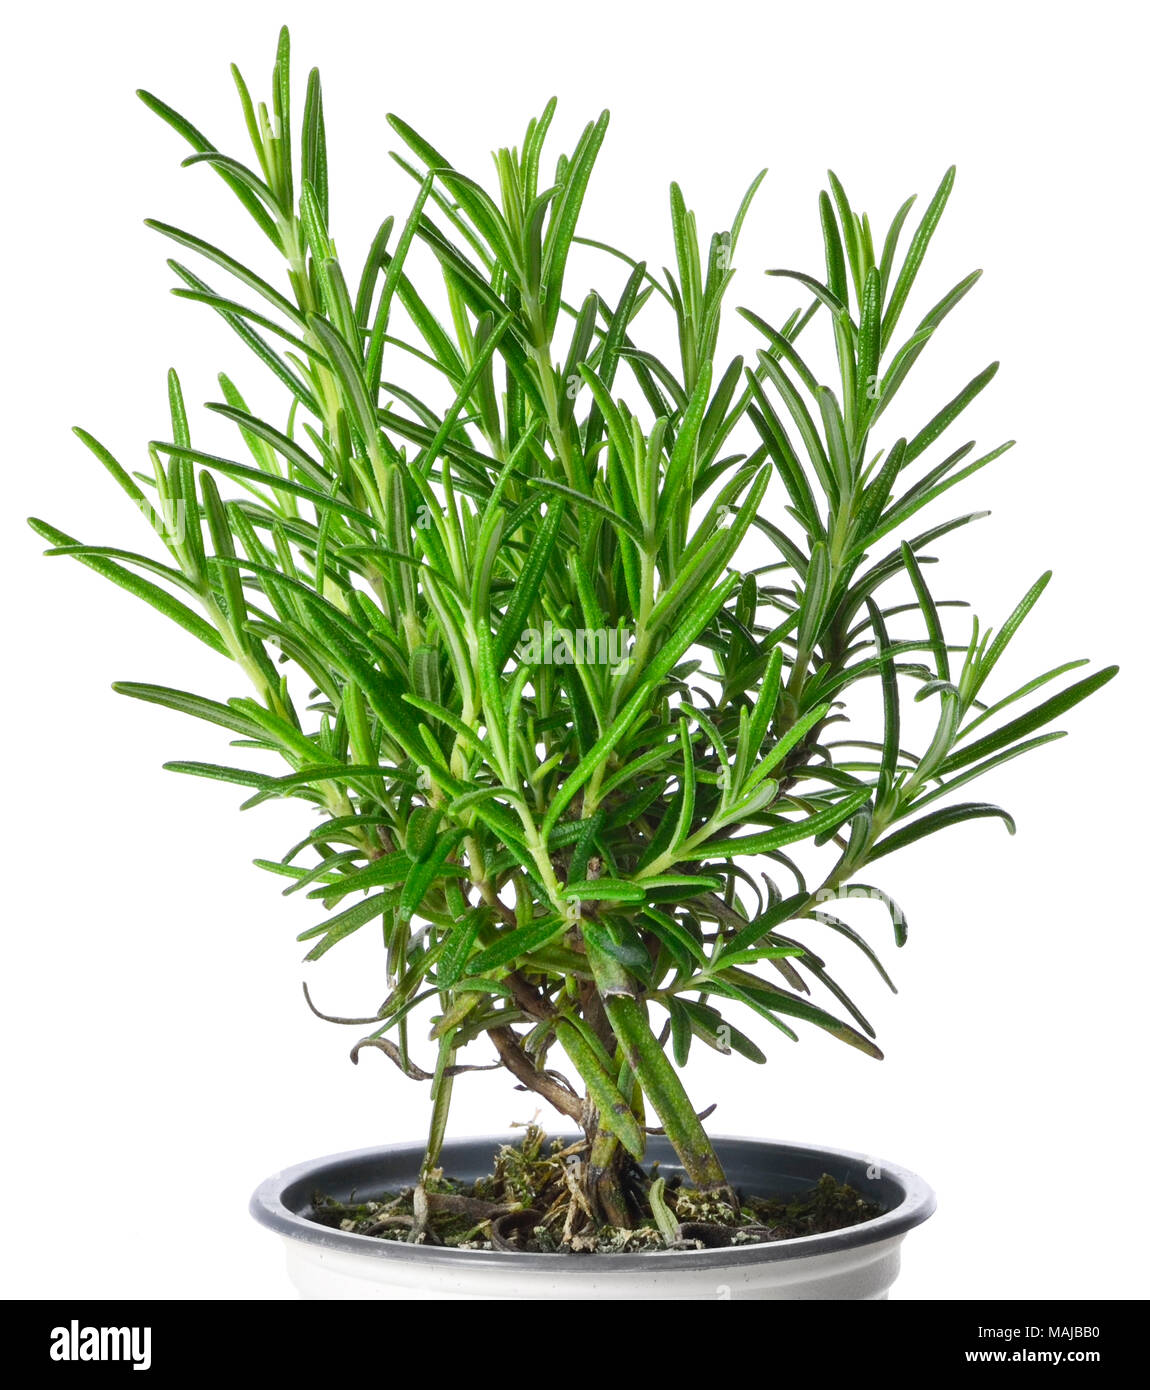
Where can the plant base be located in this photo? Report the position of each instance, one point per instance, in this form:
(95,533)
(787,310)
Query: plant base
(533,1200)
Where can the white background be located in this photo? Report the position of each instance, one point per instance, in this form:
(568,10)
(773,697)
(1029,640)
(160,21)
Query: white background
(158,1060)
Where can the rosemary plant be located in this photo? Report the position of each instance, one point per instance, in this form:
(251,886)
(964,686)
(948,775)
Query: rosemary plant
(479,581)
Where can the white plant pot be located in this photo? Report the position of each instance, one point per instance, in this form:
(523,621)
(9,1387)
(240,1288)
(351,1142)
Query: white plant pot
(859,1262)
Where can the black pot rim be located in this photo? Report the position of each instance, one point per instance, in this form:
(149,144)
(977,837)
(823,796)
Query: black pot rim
(280,1201)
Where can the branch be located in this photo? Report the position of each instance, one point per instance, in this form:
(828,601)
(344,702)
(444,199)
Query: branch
(550,1085)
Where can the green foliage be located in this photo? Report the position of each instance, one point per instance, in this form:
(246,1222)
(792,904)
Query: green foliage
(551,838)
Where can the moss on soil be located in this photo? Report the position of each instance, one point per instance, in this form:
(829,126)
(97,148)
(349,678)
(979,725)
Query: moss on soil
(532,1202)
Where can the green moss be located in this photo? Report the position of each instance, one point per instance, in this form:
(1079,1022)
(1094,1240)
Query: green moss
(526,1203)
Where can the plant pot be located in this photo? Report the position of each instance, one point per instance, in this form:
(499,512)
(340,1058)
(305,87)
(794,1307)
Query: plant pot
(858,1262)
